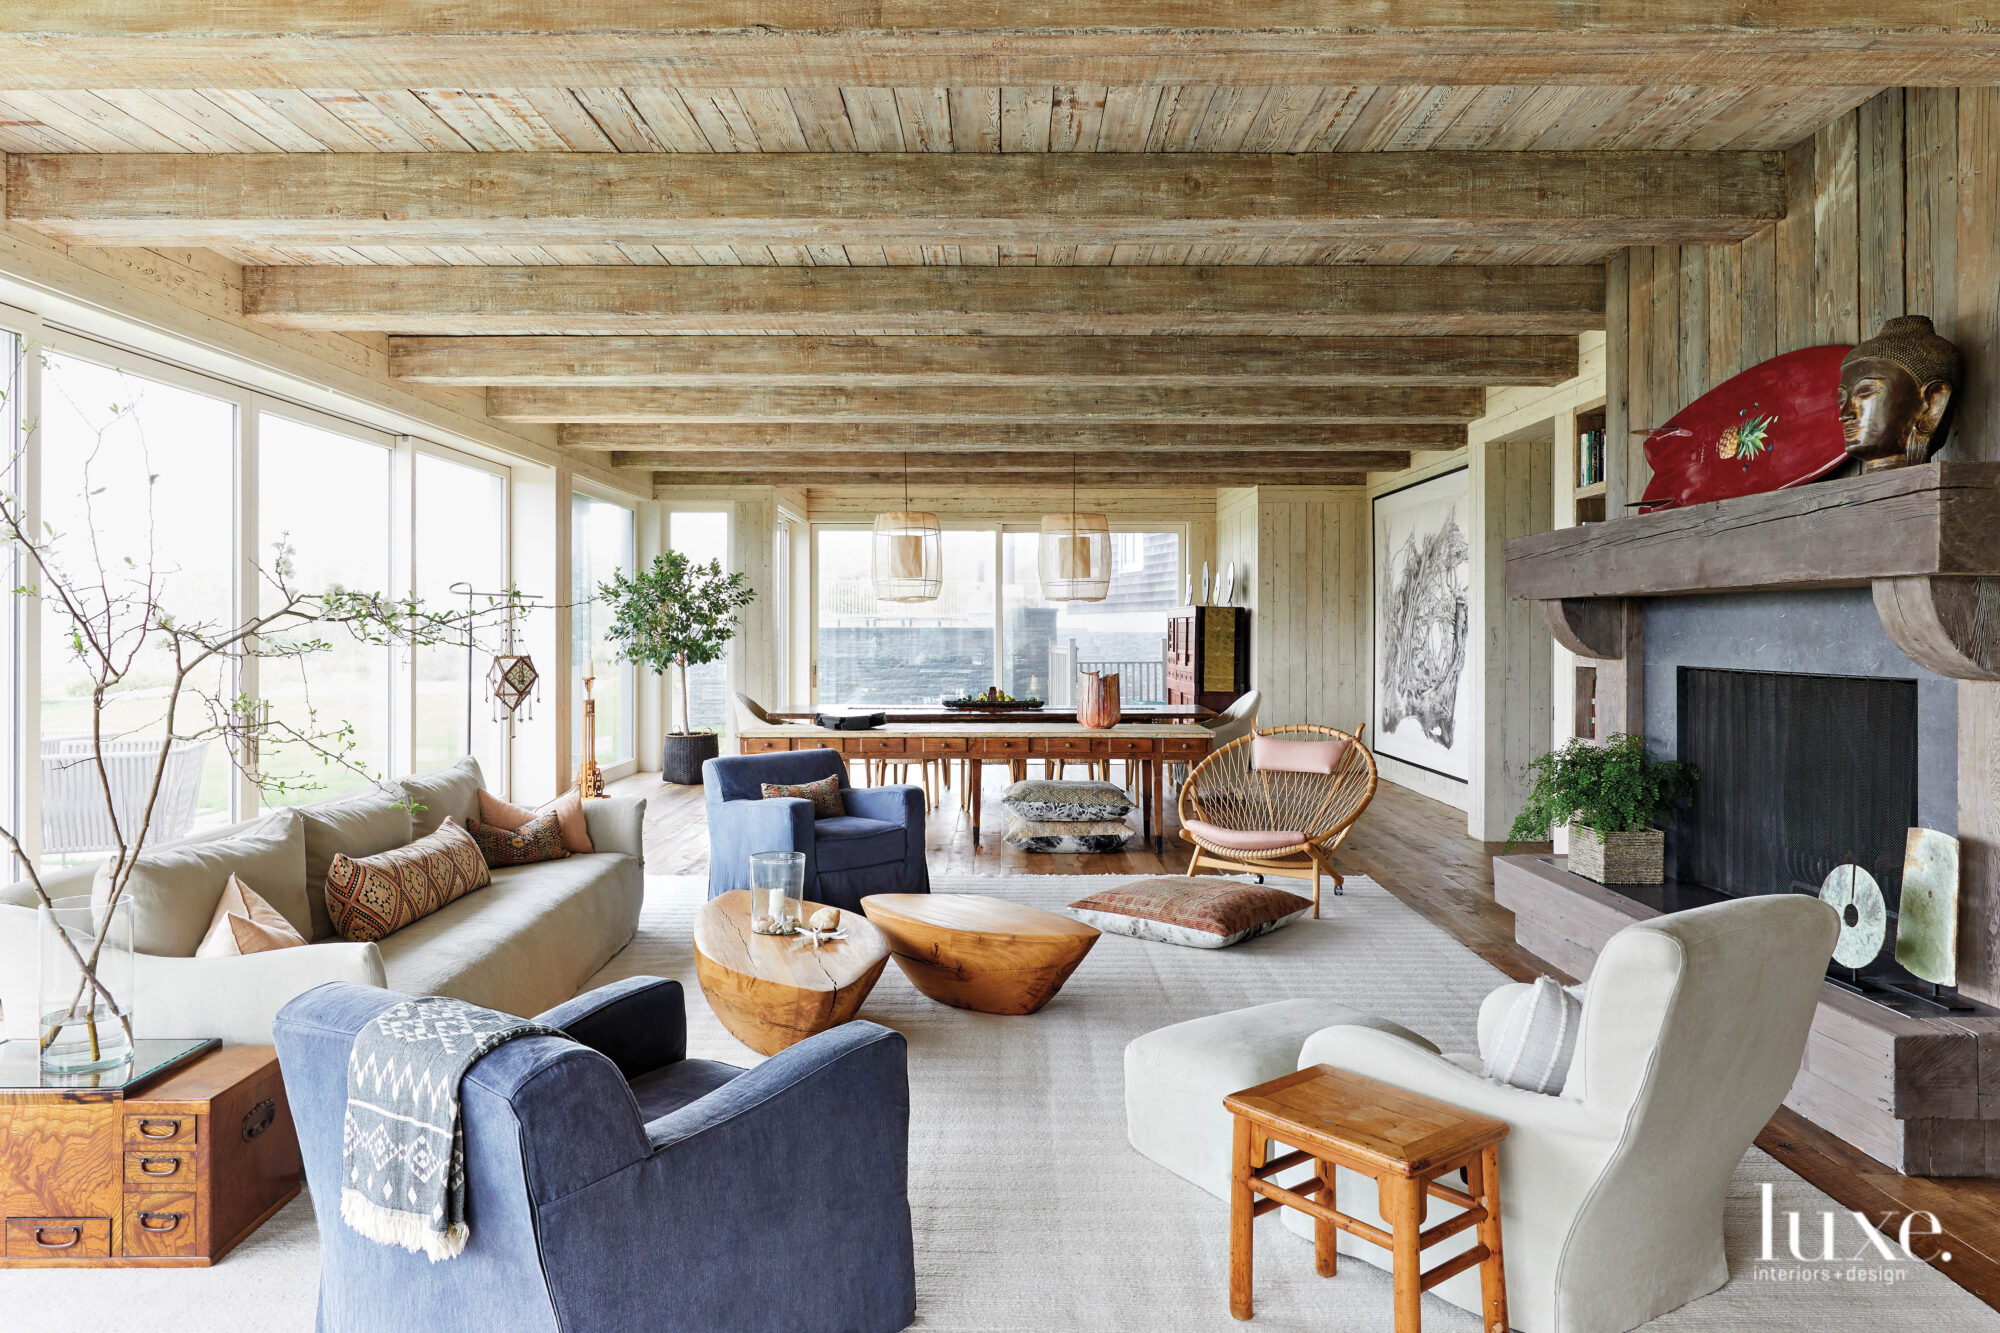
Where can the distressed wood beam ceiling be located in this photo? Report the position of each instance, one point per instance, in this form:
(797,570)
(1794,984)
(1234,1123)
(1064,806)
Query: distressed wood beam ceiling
(950,404)
(1248,299)
(803,199)
(784,241)
(788,43)
(835,361)
(1102,437)
(983,481)
(1056,466)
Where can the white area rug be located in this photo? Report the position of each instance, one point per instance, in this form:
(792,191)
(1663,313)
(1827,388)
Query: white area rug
(1031,1211)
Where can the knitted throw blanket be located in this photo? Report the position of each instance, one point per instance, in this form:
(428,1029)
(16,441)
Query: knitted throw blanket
(402,1144)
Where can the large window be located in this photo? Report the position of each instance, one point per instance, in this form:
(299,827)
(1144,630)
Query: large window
(702,537)
(325,495)
(137,476)
(873,652)
(601,543)
(460,525)
(1049,642)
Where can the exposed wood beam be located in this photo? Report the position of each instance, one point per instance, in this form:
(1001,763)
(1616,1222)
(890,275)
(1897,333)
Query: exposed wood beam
(538,198)
(61,44)
(986,481)
(1105,437)
(1241,299)
(954,404)
(1056,466)
(722,359)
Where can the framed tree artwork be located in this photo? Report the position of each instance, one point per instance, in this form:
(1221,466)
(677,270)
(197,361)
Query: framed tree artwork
(1423,567)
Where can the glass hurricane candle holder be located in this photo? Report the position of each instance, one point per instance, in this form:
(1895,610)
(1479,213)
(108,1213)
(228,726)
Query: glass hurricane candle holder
(777,892)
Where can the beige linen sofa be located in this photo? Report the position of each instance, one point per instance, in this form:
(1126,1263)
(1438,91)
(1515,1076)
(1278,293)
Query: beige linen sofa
(524,943)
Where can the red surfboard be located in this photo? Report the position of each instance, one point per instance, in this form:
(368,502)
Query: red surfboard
(1775,425)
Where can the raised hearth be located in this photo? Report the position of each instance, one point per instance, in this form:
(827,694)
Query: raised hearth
(1920,1092)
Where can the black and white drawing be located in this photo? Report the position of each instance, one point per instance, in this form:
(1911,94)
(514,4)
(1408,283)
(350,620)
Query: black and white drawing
(1422,571)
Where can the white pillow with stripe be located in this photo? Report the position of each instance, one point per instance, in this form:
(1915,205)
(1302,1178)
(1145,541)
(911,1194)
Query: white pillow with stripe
(1537,1039)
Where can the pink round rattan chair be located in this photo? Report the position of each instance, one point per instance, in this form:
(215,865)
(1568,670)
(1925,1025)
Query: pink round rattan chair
(1278,802)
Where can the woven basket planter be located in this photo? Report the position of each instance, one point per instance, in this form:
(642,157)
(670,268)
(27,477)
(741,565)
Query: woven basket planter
(1618,858)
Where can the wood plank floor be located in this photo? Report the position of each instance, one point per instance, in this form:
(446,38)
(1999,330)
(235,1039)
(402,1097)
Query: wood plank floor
(1417,849)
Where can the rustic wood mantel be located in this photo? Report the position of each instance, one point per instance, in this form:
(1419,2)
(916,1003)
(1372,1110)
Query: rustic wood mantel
(1925,539)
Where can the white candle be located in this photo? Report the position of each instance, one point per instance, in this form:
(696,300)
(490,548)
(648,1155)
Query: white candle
(776,907)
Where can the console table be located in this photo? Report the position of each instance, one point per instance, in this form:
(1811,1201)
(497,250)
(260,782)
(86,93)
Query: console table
(1151,746)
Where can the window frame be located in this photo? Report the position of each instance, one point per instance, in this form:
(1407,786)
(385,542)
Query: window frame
(627,761)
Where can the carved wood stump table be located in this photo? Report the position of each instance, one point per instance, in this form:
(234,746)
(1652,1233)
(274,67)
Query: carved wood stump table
(981,953)
(773,991)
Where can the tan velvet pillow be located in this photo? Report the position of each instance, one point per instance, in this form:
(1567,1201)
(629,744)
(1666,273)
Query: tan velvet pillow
(245,923)
(568,809)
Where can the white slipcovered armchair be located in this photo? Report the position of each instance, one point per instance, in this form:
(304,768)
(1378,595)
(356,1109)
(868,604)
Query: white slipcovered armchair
(1611,1193)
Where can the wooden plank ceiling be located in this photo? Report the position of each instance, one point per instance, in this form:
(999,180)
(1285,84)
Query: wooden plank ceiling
(790,247)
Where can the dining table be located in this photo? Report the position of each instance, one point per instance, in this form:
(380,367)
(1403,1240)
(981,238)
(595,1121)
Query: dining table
(1146,747)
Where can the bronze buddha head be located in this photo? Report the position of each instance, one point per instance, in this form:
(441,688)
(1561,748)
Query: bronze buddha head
(1896,391)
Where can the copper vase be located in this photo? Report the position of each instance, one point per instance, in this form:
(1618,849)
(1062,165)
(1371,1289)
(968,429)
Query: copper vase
(1097,699)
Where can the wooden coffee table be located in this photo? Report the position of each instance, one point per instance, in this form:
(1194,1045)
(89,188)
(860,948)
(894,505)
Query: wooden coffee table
(1402,1141)
(773,991)
(975,952)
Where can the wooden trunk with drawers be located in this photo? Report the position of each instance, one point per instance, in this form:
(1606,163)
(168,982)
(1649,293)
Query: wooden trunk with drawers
(172,1174)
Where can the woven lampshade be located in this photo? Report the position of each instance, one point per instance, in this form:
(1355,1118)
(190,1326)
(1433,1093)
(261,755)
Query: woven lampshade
(1075,557)
(909,556)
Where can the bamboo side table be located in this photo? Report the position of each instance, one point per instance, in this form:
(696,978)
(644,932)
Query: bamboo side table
(1402,1141)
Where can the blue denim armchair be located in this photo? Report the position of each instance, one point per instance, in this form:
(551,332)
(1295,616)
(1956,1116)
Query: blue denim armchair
(876,847)
(612,1183)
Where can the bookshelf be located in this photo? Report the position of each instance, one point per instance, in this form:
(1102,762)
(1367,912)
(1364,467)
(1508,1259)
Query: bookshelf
(1588,469)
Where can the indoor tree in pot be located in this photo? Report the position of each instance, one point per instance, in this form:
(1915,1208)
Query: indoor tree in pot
(677,614)
(1610,795)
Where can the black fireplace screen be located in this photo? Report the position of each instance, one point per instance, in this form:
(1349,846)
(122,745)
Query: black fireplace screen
(1799,773)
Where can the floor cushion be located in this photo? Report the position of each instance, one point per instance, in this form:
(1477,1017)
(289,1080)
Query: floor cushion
(1068,802)
(1068,835)
(1202,913)
(845,842)
(1245,840)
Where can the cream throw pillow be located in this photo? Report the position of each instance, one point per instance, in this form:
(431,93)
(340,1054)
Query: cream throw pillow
(568,809)
(245,923)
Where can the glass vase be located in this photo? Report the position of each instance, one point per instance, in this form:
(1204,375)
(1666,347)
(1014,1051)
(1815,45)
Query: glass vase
(777,892)
(85,1025)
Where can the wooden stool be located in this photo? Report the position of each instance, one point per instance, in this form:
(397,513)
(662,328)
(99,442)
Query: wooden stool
(1399,1139)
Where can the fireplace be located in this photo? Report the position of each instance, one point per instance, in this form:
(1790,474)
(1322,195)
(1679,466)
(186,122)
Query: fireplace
(1800,773)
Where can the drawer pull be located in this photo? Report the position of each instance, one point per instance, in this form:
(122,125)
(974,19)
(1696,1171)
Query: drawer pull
(152,1165)
(75,1237)
(159,1221)
(159,1129)
(259,1118)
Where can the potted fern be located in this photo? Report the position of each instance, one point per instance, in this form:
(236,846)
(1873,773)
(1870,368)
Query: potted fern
(677,613)
(1610,795)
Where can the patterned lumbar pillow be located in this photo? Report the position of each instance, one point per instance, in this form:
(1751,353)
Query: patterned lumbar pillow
(1066,802)
(1067,835)
(245,923)
(372,896)
(1536,1039)
(1200,913)
(540,839)
(567,808)
(824,794)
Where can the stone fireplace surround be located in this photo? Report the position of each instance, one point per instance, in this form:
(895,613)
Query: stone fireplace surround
(1895,574)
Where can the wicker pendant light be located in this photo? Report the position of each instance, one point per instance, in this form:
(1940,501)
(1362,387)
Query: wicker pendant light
(1075,556)
(909,551)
